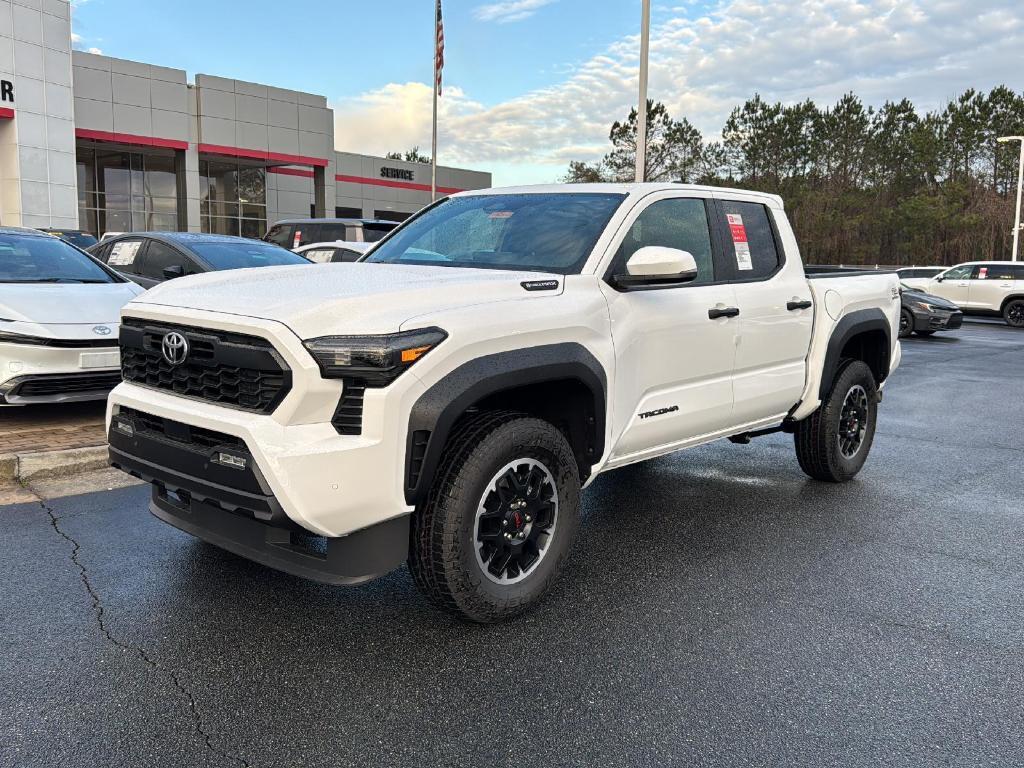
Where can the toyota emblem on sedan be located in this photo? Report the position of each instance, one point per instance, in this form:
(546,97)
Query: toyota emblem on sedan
(175,348)
(101,330)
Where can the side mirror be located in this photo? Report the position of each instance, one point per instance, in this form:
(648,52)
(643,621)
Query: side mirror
(656,265)
(939,278)
(173,271)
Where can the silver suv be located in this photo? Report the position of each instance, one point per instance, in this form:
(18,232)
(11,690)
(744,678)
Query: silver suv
(984,288)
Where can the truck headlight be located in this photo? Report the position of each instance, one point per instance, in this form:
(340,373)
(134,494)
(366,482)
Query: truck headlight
(378,360)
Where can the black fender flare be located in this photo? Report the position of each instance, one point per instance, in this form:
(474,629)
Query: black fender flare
(849,326)
(435,412)
(1008,299)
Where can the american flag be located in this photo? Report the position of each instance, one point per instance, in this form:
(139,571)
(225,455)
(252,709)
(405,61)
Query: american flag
(439,51)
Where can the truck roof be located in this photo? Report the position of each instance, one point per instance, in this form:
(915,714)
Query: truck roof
(631,188)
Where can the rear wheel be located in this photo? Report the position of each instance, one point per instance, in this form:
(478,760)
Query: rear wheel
(1013,313)
(498,522)
(906,323)
(833,443)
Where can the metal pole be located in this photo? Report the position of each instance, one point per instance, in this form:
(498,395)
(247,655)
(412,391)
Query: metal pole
(641,112)
(433,139)
(1020,183)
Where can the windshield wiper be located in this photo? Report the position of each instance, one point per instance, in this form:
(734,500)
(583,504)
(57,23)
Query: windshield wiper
(58,280)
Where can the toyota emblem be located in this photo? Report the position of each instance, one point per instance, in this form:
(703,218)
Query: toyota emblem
(175,348)
(101,330)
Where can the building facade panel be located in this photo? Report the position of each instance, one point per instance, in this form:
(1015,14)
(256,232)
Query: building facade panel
(110,145)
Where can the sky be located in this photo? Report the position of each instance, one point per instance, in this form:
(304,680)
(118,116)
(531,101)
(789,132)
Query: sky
(531,84)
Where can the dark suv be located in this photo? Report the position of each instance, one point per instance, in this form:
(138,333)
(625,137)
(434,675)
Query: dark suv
(292,233)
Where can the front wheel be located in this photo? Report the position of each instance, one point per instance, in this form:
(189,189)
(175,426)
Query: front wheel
(906,323)
(491,537)
(832,444)
(1013,313)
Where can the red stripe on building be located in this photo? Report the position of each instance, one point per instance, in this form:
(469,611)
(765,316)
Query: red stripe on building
(128,138)
(291,172)
(397,184)
(6,113)
(259,154)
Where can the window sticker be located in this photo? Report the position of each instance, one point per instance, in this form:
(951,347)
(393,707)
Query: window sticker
(320,255)
(298,238)
(739,241)
(983,273)
(123,254)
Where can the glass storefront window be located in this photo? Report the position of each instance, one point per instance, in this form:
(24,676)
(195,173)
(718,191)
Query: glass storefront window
(233,198)
(126,191)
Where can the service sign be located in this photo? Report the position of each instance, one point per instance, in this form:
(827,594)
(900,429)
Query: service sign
(402,174)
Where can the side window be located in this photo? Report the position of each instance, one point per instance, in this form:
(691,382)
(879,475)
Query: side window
(999,271)
(676,223)
(124,256)
(319,255)
(958,273)
(750,248)
(331,232)
(346,254)
(160,256)
(280,235)
(304,235)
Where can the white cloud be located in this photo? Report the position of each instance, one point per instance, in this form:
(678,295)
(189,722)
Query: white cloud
(701,67)
(97,51)
(510,10)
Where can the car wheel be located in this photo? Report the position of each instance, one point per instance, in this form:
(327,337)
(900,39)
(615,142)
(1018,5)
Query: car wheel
(833,443)
(906,323)
(498,522)
(1013,313)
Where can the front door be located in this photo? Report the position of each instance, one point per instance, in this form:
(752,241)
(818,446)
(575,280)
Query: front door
(673,379)
(954,284)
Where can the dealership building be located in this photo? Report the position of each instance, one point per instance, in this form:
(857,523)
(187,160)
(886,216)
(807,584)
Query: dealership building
(107,145)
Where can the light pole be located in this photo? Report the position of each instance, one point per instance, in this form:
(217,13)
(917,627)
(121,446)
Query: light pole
(1020,183)
(641,112)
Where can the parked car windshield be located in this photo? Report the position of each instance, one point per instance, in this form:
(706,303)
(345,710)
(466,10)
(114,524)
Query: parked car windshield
(534,232)
(242,255)
(39,259)
(82,239)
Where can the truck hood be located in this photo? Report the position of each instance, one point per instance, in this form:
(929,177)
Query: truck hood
(343,298)
(65,303)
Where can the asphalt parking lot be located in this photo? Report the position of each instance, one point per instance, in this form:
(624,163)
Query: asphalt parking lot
(720,610)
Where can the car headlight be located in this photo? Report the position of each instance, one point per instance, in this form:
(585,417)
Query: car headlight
(378,360)
(925,306)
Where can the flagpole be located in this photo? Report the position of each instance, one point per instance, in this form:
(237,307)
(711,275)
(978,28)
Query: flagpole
(433,135)
(641,112)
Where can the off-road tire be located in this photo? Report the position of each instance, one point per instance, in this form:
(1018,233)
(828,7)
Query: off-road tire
(817,438)
(906,323)
(1013,313)
(442,548)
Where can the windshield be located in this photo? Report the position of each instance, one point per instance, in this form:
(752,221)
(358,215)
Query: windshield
(533,232)
(36,259)
(82,239)
(244,254)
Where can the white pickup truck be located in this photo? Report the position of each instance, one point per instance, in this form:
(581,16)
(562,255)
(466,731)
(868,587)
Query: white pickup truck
(444,400)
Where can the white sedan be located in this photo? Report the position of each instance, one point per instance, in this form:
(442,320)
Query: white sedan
(59,319)
(339,250)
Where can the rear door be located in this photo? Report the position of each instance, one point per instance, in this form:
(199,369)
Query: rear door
(776,314)
(990,284)
(160,256)
(674,360)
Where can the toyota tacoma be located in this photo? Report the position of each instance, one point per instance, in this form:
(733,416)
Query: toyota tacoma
(444,400)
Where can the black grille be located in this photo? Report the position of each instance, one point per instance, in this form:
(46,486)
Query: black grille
(348,417)
(199,438)
(66,383)
(230,369)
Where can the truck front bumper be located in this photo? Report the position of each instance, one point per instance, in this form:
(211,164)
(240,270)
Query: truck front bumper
(210,484)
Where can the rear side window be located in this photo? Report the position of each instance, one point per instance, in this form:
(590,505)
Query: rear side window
(331,232)
(680,223)
(751,252)
(280,234)
(125,256)
(374,232)
(1000,272)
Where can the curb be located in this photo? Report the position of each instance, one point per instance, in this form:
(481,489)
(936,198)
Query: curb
(51,464)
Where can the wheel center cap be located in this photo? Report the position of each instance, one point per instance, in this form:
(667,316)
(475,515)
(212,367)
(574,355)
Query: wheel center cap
(517,520)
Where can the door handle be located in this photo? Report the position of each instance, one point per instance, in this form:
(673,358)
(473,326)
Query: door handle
(716,312)
(793,306)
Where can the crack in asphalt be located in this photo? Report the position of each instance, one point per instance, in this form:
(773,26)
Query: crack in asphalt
(99,611)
